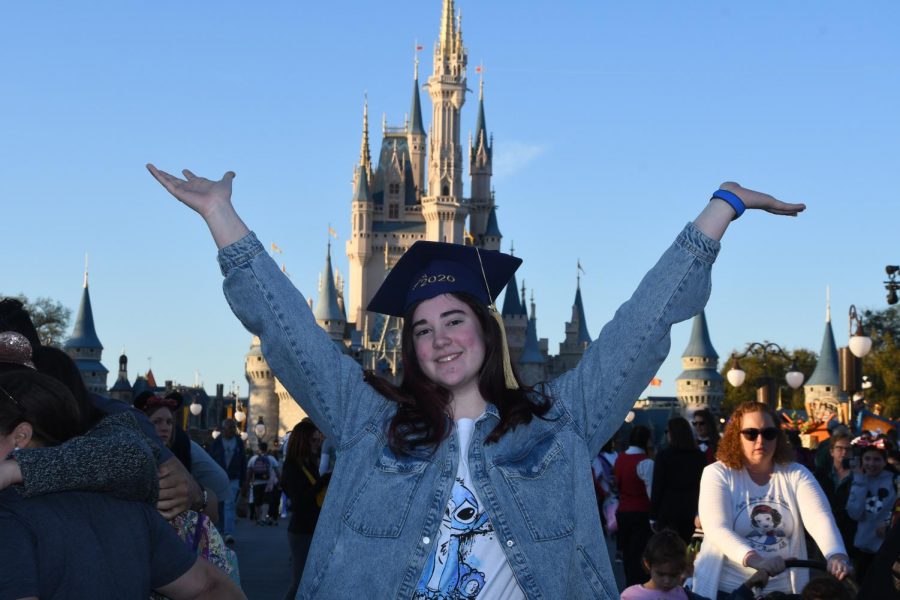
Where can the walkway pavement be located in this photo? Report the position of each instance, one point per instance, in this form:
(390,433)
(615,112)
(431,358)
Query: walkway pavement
(264,559)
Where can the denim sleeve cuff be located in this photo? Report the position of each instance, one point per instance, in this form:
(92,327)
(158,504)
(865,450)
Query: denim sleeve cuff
(240,252)
(698,243)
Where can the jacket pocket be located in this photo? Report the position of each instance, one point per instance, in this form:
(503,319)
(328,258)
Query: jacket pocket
(536,480)
(382,502)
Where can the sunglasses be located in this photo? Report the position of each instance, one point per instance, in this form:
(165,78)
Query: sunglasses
(769,433)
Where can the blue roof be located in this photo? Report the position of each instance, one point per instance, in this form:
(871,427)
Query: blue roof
(480,126)
(361,193)
(415,111)
(826,371)
(512,307)
(83,334)
(702,373)
(404,226)
(531,354)
(327,309)
(492,227)
(121,385)
(90,364)
(700,344)
(583,336)
(140,385)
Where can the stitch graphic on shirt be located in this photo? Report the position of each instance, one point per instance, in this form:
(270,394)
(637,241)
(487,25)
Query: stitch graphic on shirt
(451,573)
(765,521)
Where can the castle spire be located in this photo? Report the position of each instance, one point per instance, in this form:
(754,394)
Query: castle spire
(481,136)
(327,309)
(826,371)
(448,34)
(365,157)
(531,353)
(700,344)
(415,111)
(84,335)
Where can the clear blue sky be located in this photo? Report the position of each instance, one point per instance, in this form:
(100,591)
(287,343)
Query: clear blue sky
(613,123)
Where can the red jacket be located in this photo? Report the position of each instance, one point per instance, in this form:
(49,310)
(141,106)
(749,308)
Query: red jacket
(632,491)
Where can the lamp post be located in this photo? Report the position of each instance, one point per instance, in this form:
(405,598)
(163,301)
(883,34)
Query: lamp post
(260,429)
(858,346)
(892,285)
(765,383)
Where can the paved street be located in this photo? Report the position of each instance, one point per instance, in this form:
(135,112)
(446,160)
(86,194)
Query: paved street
(264,559)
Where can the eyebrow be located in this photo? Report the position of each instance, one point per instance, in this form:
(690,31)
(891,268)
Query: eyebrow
(441,316)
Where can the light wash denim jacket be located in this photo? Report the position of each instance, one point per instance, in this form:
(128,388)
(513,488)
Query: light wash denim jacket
(383,511)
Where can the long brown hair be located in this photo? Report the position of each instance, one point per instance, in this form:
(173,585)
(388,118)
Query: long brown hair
(729,452)
(422,417)
(299,448)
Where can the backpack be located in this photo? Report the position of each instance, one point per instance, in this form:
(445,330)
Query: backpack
(261,468)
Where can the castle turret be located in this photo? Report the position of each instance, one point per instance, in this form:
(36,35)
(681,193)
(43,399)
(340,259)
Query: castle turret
(327,311)
(577,338)
(261,397)
(416,136)
(700,384)
(823,390)
(84,346)
(515,319)
(121,389)
(359,245)
(480,167)
(444,208)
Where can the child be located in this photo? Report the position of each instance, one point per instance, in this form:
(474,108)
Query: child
(665,558)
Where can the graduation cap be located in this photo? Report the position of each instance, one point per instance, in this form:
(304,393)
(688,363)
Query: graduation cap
(429,269)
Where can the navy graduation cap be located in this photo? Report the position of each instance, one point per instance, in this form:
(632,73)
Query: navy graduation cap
(429,269)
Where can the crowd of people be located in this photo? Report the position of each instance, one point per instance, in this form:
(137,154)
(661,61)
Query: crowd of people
(750,507)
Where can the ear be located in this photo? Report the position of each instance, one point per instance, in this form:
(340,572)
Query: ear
(646,565)
(22,434)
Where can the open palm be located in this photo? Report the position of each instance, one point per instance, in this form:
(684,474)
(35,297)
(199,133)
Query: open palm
(199,193)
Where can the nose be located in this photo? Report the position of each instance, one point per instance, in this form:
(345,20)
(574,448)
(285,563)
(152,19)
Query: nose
(439,340)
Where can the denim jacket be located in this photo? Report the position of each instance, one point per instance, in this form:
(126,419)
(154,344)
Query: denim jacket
(383,510)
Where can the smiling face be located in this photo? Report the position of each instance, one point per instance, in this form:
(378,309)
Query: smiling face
(164,423)
(873,463)
(758,453)
(449,343)
(764,522)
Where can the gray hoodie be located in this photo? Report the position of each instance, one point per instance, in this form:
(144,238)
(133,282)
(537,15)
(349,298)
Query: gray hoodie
(870,504)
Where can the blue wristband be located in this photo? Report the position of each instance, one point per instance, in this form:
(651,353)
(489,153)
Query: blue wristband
(732,199)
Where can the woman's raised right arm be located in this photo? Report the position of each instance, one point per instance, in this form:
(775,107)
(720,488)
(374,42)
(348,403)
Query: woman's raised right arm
(316,372)
(210,199)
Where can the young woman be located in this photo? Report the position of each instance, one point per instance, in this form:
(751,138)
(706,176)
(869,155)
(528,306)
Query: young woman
(460,482)
(303,485)
(870,502)
(754,505)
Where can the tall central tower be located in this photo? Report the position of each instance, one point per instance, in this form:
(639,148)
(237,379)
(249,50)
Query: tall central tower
(444,208)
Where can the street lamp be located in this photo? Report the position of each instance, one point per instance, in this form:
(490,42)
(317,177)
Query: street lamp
(858,345)
(239,415)
(260,428)
(892,285)
(765,383)
(196,408)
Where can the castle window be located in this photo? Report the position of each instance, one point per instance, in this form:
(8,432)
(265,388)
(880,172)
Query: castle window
(393,211)
(394,188)
(445,191)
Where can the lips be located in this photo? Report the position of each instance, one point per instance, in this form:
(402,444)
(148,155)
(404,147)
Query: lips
(448,358)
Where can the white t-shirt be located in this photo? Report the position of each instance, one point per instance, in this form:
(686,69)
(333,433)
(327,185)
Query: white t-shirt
(467,561)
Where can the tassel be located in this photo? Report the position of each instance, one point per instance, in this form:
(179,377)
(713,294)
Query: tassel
(509,376)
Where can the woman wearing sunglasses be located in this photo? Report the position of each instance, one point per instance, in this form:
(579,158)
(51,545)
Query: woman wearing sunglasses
(754,504)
